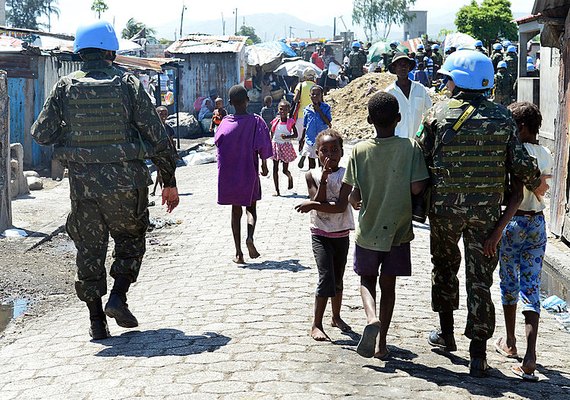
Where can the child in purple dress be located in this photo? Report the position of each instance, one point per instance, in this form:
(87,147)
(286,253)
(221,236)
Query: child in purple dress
(242,139)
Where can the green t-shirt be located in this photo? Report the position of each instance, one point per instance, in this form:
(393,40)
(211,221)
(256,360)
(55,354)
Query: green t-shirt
(383,169)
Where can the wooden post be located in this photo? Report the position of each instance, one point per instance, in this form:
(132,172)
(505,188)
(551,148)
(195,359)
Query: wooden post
(5,199)
(559,201)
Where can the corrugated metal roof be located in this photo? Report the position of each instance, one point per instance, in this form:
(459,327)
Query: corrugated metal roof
(144,64)
(194,44)
(527,19)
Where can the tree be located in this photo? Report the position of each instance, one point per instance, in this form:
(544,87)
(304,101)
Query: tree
(99,6)
(371,13)
(133,27)
(25,13)
(487,22)
(443,32)
(51,8)
(249,31)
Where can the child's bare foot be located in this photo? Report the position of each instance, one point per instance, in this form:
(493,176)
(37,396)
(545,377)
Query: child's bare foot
(253,253)
(276,194)
(238,259)
(318,334)
(382,354)
(503,348)
(337,322)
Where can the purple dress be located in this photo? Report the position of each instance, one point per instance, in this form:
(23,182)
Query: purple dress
(241,140)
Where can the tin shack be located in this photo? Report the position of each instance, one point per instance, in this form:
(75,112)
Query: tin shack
(211,64)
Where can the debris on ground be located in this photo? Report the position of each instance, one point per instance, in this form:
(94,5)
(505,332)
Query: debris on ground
(349,104)
(159,222)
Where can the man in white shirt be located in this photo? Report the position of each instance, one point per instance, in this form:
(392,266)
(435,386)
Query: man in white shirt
(413,97)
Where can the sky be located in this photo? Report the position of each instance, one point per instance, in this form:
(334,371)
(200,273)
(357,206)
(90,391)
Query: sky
(158,13)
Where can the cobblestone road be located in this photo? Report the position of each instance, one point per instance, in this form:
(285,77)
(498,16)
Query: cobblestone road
(210,329)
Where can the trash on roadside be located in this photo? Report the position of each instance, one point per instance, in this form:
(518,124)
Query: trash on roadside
(153,241)
(564,320)
(554,304)
(197,158)
(14,233)
(210,142)
(158,222)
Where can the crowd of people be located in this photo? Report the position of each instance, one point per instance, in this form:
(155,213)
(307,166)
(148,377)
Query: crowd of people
(456,154)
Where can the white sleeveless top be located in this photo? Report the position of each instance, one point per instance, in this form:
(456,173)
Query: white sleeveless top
(332,222)
(544,160)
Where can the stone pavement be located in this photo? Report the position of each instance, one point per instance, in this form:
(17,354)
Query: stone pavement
(210,329)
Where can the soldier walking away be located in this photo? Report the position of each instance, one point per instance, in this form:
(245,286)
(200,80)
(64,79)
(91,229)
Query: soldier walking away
(468,176)
(356,61)
(479,47)
(504,92)
(437,58)
(102,125)
(497,55)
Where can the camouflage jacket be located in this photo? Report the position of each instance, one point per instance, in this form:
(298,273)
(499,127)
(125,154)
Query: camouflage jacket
(115,172)
(512,66)
(504,84)
(496,58)
(471,170)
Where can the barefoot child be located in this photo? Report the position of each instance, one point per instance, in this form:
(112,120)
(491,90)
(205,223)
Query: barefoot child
(282,131)
(241,139)
(385,172)
(521,253)
(331,221)
(316,118)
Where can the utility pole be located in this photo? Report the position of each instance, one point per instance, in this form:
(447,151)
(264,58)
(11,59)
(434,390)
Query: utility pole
(334,27)
(291,31)
(310,31)
(182,18)
(235,23)
(223,25)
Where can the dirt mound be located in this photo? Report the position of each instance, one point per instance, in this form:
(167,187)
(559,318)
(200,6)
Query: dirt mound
(349,104)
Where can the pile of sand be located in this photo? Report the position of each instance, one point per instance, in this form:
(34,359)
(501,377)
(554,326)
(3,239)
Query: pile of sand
(349,104)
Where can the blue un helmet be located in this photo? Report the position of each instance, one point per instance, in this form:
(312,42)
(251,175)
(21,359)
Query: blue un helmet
(421,47)
(530,67)
(303,44)
(502,64)
(478,43)
(529,59)
(356,44)
(469,69)
(506,43)
(435,47)
(511,49)
(497,46)
(98,35)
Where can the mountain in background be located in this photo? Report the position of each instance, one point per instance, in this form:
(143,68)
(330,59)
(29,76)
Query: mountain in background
(276,26)
(267,26)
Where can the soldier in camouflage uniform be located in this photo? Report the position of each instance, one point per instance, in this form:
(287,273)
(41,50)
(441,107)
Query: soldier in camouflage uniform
(437,58)
(102,124)
(356,61)
(389,55)
(468,176)
(512,61)
(504,85)
(497,55)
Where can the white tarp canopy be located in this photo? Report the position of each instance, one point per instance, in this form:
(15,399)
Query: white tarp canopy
(459,41)
(296,68)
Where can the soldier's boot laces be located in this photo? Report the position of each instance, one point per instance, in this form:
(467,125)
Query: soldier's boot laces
(443,341)
(99,329)
(118,308)
(478,367)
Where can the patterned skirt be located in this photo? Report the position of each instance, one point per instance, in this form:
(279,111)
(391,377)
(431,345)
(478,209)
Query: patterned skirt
(284,152)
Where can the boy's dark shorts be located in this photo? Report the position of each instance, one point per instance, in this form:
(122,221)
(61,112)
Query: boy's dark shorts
(330,255)
(396,262)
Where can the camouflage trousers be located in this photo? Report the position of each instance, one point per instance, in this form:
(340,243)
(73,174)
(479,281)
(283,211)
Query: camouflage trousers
(503,99)
(124,216)
(475,224)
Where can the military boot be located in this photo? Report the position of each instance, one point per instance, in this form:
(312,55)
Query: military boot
(98,328)
(117,306)
(444,338)
(478,366)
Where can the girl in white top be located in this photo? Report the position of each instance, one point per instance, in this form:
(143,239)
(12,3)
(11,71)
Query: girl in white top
(331,222)
(282,131)
(523,244)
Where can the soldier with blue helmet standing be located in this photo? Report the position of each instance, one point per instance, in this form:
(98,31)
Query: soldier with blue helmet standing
(497,55)
(356,61)
(504,90)
(479,47)
(470,144)
(103,125)
(437,58)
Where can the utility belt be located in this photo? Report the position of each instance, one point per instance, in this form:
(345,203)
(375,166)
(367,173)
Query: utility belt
(105,154)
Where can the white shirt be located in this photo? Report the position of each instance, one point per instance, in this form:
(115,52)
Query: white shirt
(332,222)
(544,160)
(280,130)
(411,109)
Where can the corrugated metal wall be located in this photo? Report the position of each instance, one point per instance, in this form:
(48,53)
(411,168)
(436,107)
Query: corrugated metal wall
(27,96)
(202,73)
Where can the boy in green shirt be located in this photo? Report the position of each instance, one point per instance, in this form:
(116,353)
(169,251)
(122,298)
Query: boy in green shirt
(385,171)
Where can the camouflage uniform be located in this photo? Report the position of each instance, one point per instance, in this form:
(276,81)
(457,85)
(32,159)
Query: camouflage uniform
(504,88)
(356,61)
(437,61)
(468,177)
(512,60)
(496,58)
(102,137)
(388,56)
